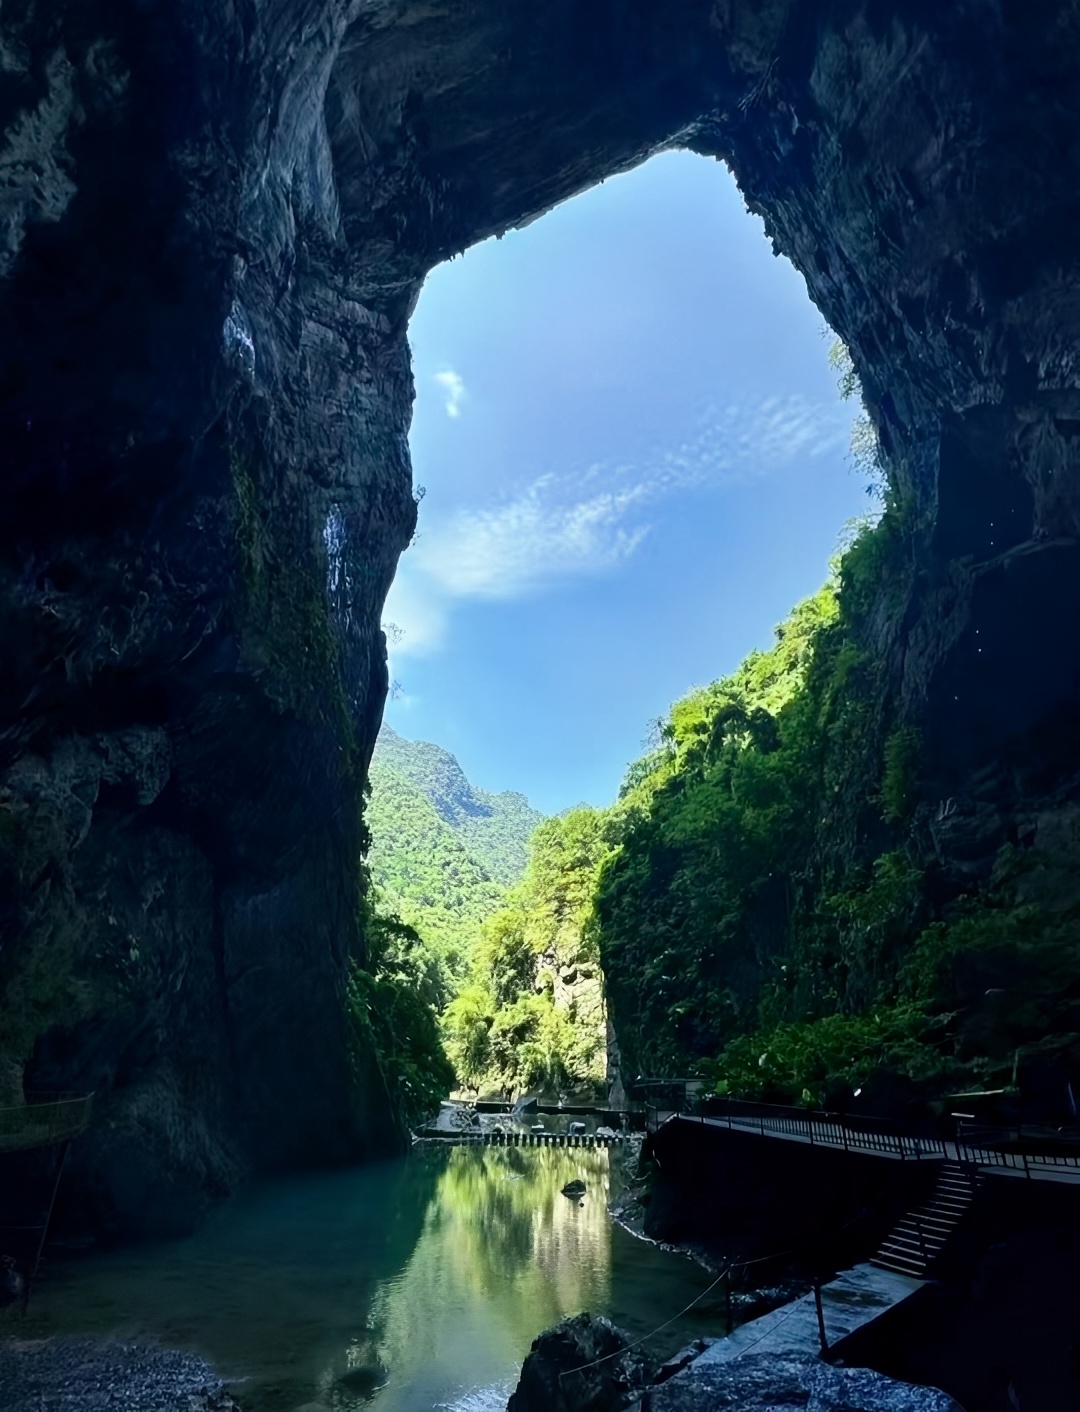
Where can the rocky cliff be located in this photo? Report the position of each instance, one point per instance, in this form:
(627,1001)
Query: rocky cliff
(215,221)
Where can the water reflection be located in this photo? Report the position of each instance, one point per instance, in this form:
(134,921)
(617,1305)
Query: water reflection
(503,1253)
(395,1288)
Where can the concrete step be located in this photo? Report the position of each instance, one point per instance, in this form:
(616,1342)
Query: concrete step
(911,1241)
(914,1269)
(909,1232)
(931,1218)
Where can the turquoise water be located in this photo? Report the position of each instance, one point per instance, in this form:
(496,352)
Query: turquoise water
(399,1286)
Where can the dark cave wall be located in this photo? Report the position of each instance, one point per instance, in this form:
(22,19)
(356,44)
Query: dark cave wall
(216,218)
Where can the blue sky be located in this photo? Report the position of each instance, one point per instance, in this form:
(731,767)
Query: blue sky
(635,461)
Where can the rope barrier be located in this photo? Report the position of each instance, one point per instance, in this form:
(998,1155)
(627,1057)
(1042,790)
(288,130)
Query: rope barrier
(645,1337)
(725,1273)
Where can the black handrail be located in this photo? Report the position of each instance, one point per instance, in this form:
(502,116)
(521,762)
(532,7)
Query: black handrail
(857,1133)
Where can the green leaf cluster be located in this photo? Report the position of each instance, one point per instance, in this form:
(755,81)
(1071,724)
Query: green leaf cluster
(390,1004)
(533,1017)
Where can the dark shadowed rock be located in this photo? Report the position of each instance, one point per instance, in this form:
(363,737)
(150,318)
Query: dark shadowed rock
(584,1364)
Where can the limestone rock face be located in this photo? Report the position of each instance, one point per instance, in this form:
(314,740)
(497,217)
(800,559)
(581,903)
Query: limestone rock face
(215,222)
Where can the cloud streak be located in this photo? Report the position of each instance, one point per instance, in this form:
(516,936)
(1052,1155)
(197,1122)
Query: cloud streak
(563,527)
(453,388)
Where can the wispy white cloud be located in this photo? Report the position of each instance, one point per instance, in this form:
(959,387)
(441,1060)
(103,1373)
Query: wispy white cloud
(562,527)
(506,550)
(453,387)
(738,444)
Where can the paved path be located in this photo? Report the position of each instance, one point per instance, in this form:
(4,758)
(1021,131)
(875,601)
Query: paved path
(823,1133)
(851,1301)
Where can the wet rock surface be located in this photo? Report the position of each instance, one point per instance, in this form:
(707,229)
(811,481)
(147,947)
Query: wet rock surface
(768,1383)
(584,1364)
(615,1376)
(84,1375)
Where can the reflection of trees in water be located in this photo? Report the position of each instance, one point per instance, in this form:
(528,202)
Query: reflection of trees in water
(508,1216)
(501,1237)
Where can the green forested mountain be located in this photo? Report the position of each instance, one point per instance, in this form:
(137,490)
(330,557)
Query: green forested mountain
(442,852)
(493,898)
(494,828)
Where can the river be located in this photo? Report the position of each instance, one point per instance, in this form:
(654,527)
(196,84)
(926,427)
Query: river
(398,1287)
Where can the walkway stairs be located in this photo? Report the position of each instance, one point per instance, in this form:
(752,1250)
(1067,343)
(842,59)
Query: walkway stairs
(918,1238)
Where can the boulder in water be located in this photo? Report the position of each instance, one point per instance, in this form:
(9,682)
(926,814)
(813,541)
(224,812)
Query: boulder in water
(584,1364)
(574,1189)
(576,1129)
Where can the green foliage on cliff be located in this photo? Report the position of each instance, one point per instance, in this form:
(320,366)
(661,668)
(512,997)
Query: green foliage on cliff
(533,1015)
(771,913)
(502,955)
(707,840)
(282,612)
(807,1060)
(391,1007)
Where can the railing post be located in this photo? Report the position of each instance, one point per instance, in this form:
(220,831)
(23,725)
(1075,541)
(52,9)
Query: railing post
(820,1319)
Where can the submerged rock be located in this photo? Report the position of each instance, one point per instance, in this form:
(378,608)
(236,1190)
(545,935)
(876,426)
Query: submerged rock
(363,1382)
(575,1189)
(584,1364)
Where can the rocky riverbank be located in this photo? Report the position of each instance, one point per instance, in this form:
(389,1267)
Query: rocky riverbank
(586,1364)
(92,1375)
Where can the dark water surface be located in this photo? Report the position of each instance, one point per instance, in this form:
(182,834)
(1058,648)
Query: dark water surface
(399,1286)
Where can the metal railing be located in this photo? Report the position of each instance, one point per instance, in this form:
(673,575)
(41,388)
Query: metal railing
(981,1147)
(44,1120)
(817,1127)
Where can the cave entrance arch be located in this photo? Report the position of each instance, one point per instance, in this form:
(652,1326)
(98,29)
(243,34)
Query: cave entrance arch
(215,228)
(628,432)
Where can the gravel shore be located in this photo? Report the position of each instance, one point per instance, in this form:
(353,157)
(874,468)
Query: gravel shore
(91,1375)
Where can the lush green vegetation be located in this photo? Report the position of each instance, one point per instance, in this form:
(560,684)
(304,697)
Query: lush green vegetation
(391,1006)
(493,828)
(773,914)
(426,876)
(485,925)
(766,897)
(532,1014)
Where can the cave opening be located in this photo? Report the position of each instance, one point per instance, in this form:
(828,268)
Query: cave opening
(627,431)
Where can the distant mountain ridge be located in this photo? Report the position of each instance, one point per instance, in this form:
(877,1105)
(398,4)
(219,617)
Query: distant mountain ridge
(494,828)
(443,852)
